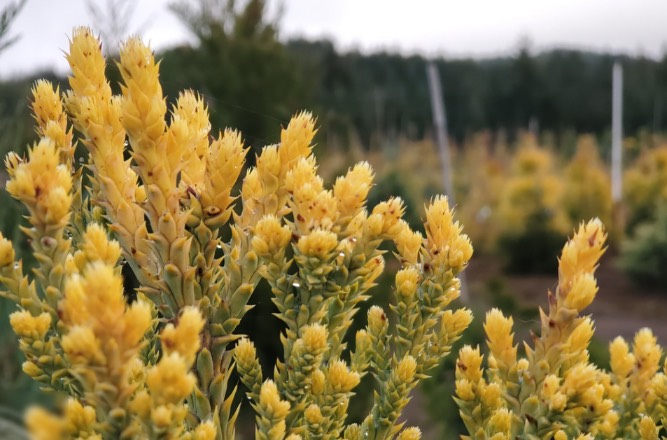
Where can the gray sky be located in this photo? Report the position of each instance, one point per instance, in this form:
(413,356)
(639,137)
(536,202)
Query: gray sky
(430,27)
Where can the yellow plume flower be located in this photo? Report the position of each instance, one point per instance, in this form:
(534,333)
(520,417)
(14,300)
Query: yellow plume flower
(205,431)
(581,254)
(408,243)
(469,364)
(170,380)
(406,369)
(621,360)
(500,337)
(314,338)
(27,326)
(269,399)
(83,347)
(191,109)
(407,281)
(318,244)
(581,294)
(445,242)
(295,140)
(96,246)
(648,429)
(184,338)
(43,184)
(351,190)
(341,379)
(270,236)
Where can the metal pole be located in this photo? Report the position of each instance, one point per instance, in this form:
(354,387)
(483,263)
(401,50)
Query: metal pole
(440,124)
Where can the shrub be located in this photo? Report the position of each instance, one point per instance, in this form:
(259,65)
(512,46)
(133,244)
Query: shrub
(530,213)
(643,255)
(553,390)
(161,365)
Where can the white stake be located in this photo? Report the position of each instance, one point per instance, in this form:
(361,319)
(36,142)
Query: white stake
(616,133)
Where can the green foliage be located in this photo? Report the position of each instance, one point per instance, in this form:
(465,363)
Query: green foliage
(644,254)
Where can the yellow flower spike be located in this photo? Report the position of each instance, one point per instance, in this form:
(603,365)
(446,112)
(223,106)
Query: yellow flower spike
(647,353)
(79,417)
(318,244)
(268,167)
(408,243)
(223,167)
(352,189)
(43,425)
(464,390)
(377,320)
(27,326)
(583,291)
(445,242)
(578,379)
(136,321)
(581,254)
(190,107)
(144,107)
(88,65)
(500,337)
(51,119)
(43,185)
(184,339)
(585,437)
(648,429)
(581,337)
(491,395)
(96,246)
(453,324)
(407,281)
(341,379)
(245,351)
(469,364)
(558,402)
(550,386)
(303,175)
(293,437)
(295,140)
(102,304)
(406,369)
(314,338)
(391,212)
(412,433)
(313,414)
(170,380)
(269,398)
(501,420)
(609,424)
(205,431)
(270,237)
(82,347)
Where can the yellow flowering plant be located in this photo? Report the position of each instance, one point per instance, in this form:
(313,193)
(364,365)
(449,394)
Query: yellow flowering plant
(157,194)
(553,391)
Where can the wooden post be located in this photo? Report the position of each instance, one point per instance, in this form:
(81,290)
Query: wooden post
(440,125)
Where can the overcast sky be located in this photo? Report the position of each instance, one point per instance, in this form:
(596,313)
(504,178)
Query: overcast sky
(431,27)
